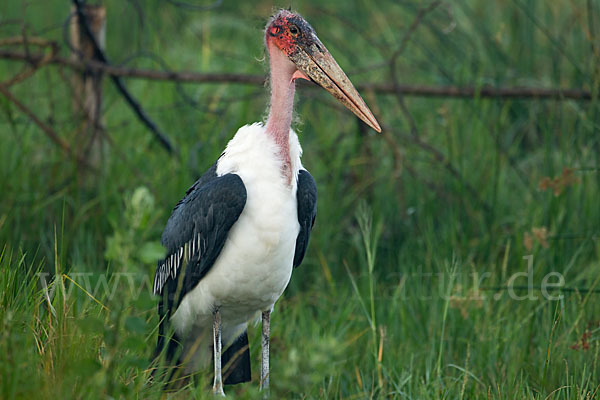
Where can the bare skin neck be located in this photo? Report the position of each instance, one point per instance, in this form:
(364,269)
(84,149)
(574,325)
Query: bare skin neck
(282,104)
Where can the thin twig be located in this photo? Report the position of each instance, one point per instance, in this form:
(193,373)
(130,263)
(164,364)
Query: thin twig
(560,47)
(439,157)
(33,66)
(64,146)
(412,28)
(34,40)
(142,178)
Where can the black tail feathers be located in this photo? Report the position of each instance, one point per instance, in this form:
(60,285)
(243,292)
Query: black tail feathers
(236,361)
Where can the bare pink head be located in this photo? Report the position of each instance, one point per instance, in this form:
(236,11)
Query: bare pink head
(296,52)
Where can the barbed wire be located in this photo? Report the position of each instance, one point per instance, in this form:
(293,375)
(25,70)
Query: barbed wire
(165,67)
(447,91)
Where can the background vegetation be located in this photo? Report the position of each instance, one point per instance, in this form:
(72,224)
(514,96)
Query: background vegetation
(403,291)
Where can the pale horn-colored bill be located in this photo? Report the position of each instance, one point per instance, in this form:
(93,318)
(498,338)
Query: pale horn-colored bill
(320,66)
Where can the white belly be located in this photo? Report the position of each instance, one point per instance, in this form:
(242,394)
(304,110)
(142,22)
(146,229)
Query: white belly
(255,264)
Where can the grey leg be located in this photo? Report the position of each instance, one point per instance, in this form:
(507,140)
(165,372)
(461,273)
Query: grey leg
(264,365)
(218,383)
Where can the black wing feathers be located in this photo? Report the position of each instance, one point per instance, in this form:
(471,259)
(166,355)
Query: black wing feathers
(307,211)
(197,229)
(236,361)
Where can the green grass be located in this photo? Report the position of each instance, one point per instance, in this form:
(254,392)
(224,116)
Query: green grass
(402,293)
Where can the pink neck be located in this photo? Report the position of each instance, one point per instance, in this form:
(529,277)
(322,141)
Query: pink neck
(282,103)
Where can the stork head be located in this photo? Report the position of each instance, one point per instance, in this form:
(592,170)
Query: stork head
(290,34)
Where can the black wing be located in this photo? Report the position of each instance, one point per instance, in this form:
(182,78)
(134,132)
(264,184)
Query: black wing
(198,228)
(307,211)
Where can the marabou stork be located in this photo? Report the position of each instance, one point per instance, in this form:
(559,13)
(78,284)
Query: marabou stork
(241,228)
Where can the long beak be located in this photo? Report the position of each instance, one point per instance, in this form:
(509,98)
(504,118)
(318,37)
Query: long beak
(318,64)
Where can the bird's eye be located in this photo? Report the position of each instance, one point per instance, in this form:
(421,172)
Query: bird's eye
(294,30)
(276,30)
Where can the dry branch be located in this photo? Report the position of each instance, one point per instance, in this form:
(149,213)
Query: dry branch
(32,68)
(250,79)
(21,40)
